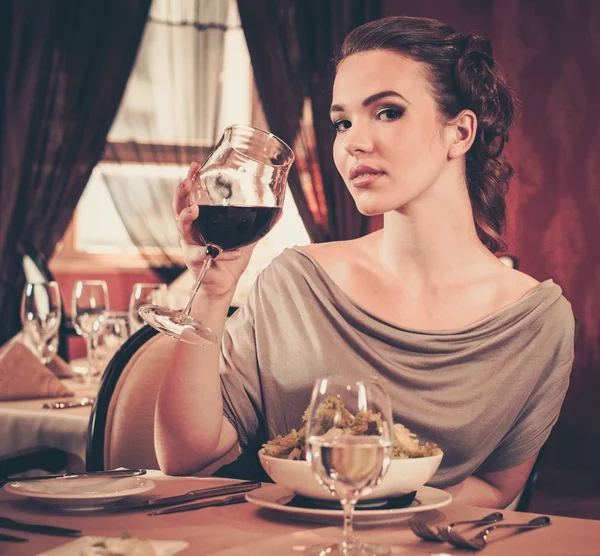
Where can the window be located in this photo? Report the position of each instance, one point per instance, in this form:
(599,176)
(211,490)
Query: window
(165,121)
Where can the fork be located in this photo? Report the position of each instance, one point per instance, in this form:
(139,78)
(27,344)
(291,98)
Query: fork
(427,534)
(479,541)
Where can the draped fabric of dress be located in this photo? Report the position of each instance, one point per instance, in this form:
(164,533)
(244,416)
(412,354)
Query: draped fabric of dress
(487,394)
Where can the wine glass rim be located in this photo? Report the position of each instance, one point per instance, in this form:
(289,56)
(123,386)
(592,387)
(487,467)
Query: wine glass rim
(286,148)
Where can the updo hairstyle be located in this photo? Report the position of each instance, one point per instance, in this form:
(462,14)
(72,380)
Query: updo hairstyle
(463,75)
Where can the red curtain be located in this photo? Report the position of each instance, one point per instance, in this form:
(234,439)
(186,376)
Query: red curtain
(63,69)
(291,45)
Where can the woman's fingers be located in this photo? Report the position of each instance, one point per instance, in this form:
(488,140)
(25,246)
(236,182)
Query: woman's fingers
(181,200)
(184,223)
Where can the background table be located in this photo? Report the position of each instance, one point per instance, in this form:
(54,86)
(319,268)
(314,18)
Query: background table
(25,425)
(246,530)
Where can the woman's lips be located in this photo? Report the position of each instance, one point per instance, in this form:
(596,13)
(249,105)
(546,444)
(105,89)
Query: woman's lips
(365,179)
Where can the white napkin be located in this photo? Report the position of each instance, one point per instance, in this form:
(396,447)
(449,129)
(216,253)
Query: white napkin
(22,376)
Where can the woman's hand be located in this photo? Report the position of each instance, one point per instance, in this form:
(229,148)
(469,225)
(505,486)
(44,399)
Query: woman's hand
(227,268)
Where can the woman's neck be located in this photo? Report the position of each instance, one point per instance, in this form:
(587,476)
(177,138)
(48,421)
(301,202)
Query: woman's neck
(433,240)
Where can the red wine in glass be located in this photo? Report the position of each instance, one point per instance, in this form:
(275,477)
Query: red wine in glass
(239,190)
(231,227)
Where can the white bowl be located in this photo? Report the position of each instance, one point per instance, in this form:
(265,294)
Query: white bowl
(403,476)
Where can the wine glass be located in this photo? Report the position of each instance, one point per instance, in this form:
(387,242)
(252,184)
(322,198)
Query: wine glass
(240,195)
(143,294)
(41,310)
(109,340)
(349,447)
(89,305)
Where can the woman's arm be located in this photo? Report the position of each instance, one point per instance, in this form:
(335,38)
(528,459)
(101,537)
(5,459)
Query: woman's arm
(190,430)
(495,489)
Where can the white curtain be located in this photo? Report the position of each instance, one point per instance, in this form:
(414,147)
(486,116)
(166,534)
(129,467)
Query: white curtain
(172,103)
(174,93)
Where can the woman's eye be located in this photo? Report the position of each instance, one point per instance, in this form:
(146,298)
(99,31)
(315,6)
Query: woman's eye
(341,125)
(388,114)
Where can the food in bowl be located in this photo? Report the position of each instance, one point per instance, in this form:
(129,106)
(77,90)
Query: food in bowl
(292,445)
(412,464)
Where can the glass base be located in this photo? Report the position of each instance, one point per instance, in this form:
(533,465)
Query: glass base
(357,548)
(173,323)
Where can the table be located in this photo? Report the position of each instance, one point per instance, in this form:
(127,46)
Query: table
(246,530)
(24,425)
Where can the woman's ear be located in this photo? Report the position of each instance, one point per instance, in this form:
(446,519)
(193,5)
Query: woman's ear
(460,133)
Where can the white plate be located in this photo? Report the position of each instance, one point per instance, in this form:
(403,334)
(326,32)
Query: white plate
(276,497)
(82,493)
(76,547)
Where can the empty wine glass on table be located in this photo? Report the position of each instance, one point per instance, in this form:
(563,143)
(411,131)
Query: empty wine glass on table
(240,189)
(144,294)
(89,305)
(109,340)
(349,447)
(41,310)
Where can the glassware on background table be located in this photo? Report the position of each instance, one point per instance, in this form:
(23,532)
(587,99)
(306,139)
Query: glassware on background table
(89,305)
(346,464)
(240,190)
(144,294)
(41,310)
(107,342)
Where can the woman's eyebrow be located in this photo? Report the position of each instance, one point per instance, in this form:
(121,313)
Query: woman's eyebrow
(370,100)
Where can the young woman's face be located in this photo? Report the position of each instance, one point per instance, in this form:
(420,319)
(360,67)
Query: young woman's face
(389,145)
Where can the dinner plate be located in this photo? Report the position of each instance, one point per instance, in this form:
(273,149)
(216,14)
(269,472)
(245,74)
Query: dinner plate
(81,493)
(276,497)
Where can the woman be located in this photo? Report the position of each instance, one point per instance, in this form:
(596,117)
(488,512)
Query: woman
(477,355)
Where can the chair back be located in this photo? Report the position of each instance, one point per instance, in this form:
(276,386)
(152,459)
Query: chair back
(121,430)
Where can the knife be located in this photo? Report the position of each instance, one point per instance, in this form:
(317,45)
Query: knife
(235,499)
(8,523)
(190,496)
(12,538)
(113,474)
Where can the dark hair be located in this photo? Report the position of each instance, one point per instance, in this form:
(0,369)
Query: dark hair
(463,75)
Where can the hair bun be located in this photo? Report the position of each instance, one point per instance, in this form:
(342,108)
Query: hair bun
(478,47)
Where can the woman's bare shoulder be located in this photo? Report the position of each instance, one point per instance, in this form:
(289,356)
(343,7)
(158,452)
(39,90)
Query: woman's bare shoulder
(337,256)
(517,284)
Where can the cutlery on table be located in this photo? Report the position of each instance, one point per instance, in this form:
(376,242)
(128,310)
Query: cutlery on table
(112,474)
(191,496)
(12,538)
(235,499)
(427,534)
(43,529)
(79,402)
(479,541)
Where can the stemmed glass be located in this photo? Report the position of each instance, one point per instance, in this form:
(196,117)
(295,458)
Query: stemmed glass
(88,312)
(41,310)
(240,193)
(349,447)
(144,294)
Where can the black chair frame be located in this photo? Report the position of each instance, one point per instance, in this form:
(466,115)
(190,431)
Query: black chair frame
(94,458)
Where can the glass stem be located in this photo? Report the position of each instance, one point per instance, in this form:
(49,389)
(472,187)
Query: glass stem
(88,350)
(348,504)
(205,268)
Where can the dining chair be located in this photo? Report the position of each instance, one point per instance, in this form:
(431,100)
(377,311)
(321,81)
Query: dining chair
(121,429)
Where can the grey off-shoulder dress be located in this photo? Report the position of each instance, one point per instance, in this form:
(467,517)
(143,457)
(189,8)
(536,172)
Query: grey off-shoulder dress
(487,394)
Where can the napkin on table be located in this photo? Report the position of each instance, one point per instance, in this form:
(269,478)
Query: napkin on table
(22,376)
(60,367)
